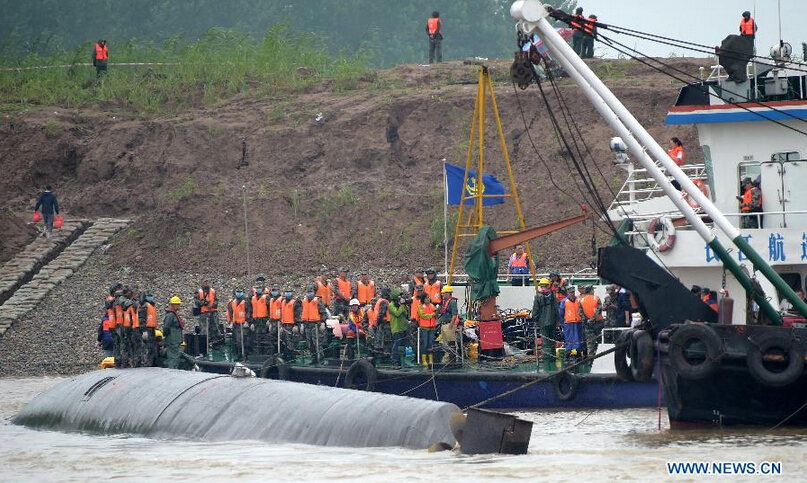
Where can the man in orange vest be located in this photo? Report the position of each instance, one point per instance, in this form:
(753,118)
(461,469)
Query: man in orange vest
(751,202)
(290,314)
(137,349)
(572,330)
(343,293)
(324,290)
(590,31)
(100,57)
(148,326)
(109,306)
(432,286)
(105,330)
(556,282)
(748,27)
(312,316)
(434,29)
(427,323)
(356,328)
(448,318)
(577,25)
(275,315)
(365,288)
(239,313)
(591,315)
(207,306)
(380,331)
(259,324)
(518,266)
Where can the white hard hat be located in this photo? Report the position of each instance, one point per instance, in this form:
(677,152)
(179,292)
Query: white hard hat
(354,302)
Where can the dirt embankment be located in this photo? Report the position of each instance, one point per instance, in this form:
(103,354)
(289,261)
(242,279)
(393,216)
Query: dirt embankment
(334,178)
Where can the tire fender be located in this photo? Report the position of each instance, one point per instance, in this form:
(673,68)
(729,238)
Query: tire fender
(771,340)
(566,386)
(642,356)
(279,370)
(713,347)
(621,355)
(362,369)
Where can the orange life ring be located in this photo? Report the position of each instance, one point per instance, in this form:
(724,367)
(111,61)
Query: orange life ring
(704,189)
(667,241)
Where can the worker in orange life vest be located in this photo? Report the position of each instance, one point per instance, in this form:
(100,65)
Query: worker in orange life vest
(100,57)
(590,31)
(709,297)
(147,316)
(365,288)
(131,320)
(238,312)
(518,266)
(105,330)
(576,24)
(751,202)
(291,311)
(432,286)
(324,290)
(343,291)
(748,26)
(572,328)
(380,330)
(259,325)
(313,318)
(357,324)
(556,282)
(590,312)
(434,29)
(427,324)
(678,155)
(207,306)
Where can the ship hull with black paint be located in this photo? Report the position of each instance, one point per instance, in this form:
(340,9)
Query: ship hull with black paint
(737,392)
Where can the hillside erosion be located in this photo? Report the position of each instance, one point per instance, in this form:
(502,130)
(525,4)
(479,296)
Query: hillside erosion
(334,177)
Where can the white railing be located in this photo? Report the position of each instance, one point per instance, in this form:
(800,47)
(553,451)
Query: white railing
(638,187)
(586,273)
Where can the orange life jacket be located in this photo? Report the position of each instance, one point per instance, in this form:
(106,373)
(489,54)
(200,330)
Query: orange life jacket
(324,293)
(311,310)
(345,288)
(239,310)
(110,313)
(211,299)
(577,22)
(428,323)
(518,262)
(366,293)
(433,290)
(101,53)
(589,26)
(130,318)
(151,316)
(109,324)
(747,27)
(372,317)
(417,281)
(356,318)
(434,26)
(589,303)
(387,317)
(118,315)
(276,308)
(675,152)
(571,313)
(413,313)
(555,288)
(287,311)
(259,307)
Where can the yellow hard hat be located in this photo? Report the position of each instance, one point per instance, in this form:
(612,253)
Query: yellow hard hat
(175,300)
(543,281)
(447,289)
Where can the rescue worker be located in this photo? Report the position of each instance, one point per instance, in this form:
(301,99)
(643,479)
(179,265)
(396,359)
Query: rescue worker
(432,286)
(381,330)
(417,299)
(572,330)
(556,282)
(590,31)
(448,316)
(148,327)
(611,307)
(120,333)
(260,282)
(172,333)
(100,57)
(419,278)
(259,324)
(324,291)
(365,288)
(356,329)
(105,330)
(709,297)
(312,315)
(545,316)
(434,29)
(676,152)
(399,324)
(751,202)
(427,322)
(207,306)
(290,315)
(576,24)
(49,206)
(275,315)
(124,303)
(238,313)
(137,347)
(109,308)
(748,27)
(591,316)
(518,266)
(343,292)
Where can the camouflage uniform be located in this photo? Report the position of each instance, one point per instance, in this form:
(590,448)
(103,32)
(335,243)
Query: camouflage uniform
(312,332)
(593,325)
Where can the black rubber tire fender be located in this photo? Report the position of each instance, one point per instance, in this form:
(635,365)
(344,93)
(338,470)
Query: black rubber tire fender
(642,356)
(365,369)
(621,355)
(279,370)
(762,344)
(713,346)
(566,386)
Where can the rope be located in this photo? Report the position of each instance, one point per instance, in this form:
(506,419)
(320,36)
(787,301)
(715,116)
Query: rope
(791,415)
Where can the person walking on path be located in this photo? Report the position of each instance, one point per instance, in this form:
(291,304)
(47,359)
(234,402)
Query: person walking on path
(434,28)
(49,206)
(100,58)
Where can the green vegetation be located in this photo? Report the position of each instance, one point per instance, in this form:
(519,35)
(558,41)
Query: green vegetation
(222,63)
(51,129)
(336,200)
(187,188)
(295,202)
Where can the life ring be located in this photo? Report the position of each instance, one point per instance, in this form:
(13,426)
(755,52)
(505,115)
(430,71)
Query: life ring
(641,356)
(277,369)
(667,241)
(712,350)
(704,189)
(361,375)
(566,386)
(785,343)
(621,363)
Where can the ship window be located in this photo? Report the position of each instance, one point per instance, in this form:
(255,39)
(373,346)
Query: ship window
(787,156)
(748,170)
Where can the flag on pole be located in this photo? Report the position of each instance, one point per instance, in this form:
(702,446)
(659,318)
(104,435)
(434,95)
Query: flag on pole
(455,192)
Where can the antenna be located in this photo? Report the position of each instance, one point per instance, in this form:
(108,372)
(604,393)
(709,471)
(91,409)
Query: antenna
(779,5)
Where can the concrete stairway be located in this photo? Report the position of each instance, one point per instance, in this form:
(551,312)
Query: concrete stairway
(32,274)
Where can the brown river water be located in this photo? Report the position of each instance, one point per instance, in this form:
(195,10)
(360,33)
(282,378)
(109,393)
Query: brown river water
(567,446)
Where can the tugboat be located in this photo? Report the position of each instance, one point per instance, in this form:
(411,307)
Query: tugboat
(744,363)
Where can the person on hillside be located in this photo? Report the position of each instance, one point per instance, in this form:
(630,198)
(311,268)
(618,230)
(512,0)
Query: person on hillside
(172,333)
(448,316)
(590,31)
(545,316)
(590,312)
(518,266)
(365,288)
(399,324)
(748,27)
(434,29)
(343,292)
(49,206)
(577,24)
(100,57)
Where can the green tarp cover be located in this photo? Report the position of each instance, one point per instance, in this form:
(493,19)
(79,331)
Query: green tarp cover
(481,267)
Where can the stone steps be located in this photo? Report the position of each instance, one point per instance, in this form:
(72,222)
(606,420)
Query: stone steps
(59,269)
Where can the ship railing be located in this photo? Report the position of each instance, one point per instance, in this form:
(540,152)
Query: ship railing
(641,221)
(588,274)
(639,186)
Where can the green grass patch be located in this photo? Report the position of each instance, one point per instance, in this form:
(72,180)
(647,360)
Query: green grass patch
(187,188)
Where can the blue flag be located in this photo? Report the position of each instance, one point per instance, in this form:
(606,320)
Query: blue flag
(454,189)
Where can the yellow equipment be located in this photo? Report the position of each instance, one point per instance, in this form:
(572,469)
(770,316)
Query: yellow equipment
(107,363)
(175,300)
(543,281)
(447,289)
